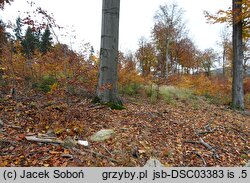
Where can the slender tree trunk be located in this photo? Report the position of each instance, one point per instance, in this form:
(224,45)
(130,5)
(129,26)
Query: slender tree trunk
(237,89)
(208,71)
(142,61)
(224,62)
(13,89)
(167,58)
(161,65)
(65,70)
(107,90)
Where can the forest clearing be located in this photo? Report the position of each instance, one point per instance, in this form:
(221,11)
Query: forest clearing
(168,132)
(168,100)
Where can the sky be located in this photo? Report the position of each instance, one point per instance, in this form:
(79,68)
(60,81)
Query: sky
(82,18)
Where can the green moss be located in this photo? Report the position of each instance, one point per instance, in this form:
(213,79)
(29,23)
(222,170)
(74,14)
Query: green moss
(96,100)
(2,100)
(115,106)
(236,108)
(244,156)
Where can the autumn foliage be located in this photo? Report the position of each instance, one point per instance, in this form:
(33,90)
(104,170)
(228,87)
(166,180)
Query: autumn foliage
(47,88)
(224,16)
(219,88)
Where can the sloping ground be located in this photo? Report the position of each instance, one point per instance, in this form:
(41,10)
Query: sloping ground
(182,134)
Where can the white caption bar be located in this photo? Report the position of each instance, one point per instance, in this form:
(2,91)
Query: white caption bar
(124,175)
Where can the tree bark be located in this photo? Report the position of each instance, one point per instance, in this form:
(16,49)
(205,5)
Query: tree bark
(107,90)
(237,89)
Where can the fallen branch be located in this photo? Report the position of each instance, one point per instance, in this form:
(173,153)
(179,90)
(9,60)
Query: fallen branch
(207,128)
(209,147)
(204,132)
(56,141)
(96,107)
(44,140)
(15,127)
(67,156)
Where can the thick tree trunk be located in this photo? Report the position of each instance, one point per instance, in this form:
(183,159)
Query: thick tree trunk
(237,89)
(107,90)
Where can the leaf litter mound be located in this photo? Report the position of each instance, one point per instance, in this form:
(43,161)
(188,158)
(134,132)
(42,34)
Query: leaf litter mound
(179,134)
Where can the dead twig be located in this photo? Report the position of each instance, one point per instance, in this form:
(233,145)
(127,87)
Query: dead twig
(200,156)
(107,150)
(15,127)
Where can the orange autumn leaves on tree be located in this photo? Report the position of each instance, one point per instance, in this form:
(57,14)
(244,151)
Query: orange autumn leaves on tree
(129,79)
(225,16)
(217,88)
(186,53)
(146,56)
(60,64)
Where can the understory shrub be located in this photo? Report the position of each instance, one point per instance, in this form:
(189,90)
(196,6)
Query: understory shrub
(45,85)
(131,89)
(172,94)
(214,88)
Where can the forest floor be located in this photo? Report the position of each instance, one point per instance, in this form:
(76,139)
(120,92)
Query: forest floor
(184,133)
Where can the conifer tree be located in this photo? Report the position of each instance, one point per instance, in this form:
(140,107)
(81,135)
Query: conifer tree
(46,41)
(18,29)
(29,43)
